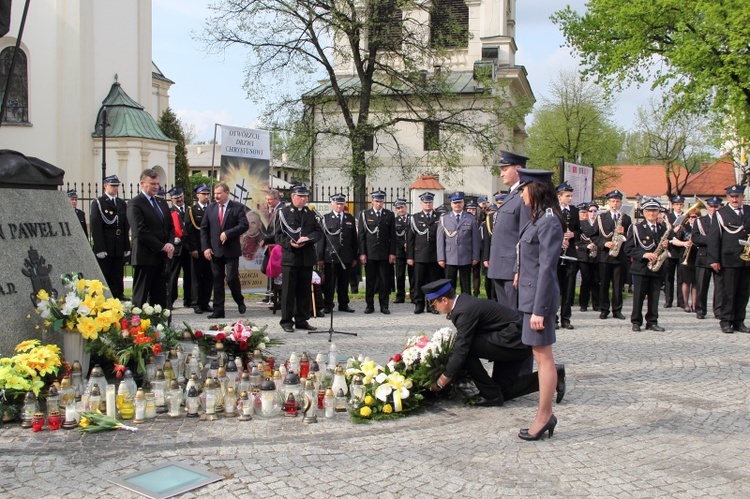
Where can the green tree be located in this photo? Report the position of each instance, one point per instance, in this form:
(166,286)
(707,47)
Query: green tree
(173,128)
(574,122)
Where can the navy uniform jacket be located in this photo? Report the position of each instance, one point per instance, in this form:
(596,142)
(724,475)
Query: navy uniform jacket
(402,226)
(723,246)
(479,317)
(509,219)
(458,243)
(377,236)
(675,252)
(539,251)
(587,235)
(641,240)
(700,240)
(150,232)
(234,224)
(573,224)
(421,238)
(82,218)
(606,226)
(343,236)
(294,223)
(109,226)
(193,219)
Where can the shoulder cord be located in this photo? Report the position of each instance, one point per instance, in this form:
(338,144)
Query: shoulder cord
(640,243)
(601,229)
(367,228)
(448,233)
(585,237)
(487,222)
(192,218)
(329,232)
(403,232)
(421,233)
(104,218)
(700,227)
(722,226)
(294,234)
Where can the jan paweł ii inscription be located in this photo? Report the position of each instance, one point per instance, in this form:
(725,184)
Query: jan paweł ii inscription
(40,239)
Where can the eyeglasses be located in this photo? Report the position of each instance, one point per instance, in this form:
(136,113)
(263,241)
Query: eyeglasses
(434,302)
(692,216)
(593,211)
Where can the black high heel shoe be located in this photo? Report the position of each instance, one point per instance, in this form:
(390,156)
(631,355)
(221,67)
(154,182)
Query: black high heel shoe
(549,427)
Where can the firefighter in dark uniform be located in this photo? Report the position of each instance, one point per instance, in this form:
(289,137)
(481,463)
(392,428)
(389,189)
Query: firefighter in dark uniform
(402,268)
(486,230)
(587,252)
(181,258)
(202,277)
(673,262)
(109,232)
(73,198)
(611,267)
(728,256)
(476,270)
(421,250)
(567,269)
(377,251)
(341,231)
(703,271)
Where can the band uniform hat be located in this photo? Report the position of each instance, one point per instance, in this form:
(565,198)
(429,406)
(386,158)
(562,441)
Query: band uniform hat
(300,190)
(338,199)
(663,209)
(202,188)
(527,176)
(426,197)
(492,208)
(440,210)
(714,201)
(378,195)
(176,192)
(583,206)
(472,204)
(457,196)
(593,203)
(161,192)
(614,194)
(436,289)
(112,180)
(734,190)
(650,204)
(509,158)
(564,187)
(677,199)
(72,193)
(499,196)
(482,199)
(399,203)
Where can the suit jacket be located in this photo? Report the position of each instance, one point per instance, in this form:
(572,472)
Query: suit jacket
(587,236)
(377,236)
(723,246)
(343,239)
(509,219)
(150,232)
(474,317)
(234,224)
(700,240)
(641,240)
(292,224)
(573,224)
(539,251)
(193,219)
(606,226)
(458,243)
(421,237)
(109,226)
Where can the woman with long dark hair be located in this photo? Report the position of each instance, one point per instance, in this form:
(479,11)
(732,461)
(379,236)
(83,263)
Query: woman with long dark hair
(540,243)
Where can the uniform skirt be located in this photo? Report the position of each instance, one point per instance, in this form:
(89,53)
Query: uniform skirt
(536,338)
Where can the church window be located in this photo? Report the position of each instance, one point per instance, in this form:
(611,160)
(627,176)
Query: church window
(386,24)
(449,24)
(17,105)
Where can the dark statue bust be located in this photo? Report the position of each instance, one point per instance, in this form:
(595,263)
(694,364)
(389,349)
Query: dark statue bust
(26,172)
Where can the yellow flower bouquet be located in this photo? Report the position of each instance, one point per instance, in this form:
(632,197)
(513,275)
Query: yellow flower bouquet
(32,367)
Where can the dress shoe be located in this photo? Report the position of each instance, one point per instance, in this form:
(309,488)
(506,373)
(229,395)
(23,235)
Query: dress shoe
(385,311)
(654,327)
(186,304)
(218,314)
(583,309)
(369,310)
(727,329)
(346,308)
(484,402)
(618,315)
(567,325)
(667,305)
(241,307)
(288,329)
(327,310)
(306,327)
(560,389)
(741,329)
(320,315)
(207,309)
(595,308)
(418,309)
(198,310)
(636,328)
(549,427)
(399,300)
(700,316)
(603,315)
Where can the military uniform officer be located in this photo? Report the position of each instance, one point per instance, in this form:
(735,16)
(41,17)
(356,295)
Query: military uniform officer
(567,269)
(73,198)
(728,256)
(476,270)
(201,274)
(587,252)
(403,219)
(377,251)
(109,232)
(421,250)
(643,241)
(675,256)
(340,239)
(703,270)
(181,258)
(459,245)
(611,267)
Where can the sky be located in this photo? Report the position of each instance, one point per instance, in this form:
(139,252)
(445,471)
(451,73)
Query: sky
(208,87)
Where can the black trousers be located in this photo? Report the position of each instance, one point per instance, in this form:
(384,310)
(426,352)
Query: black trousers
(610,275)
(424,273)
(505,293)
(228,268)
(296,295)
(566,278)
(113,270)
(402,270)
(734,296)
(378,273)
(505,381)
(672,264)
(150,284)
(703,281)
(646,286)
(489,286)
(476,278)
(179,263)
(336,278)
(590,285)
(459,273)
(202,281)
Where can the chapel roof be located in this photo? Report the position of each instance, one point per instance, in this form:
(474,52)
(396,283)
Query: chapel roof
(127,118)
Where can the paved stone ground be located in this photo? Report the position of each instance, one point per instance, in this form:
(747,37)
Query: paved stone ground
(646,414)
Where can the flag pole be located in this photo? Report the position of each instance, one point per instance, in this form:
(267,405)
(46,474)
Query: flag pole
(213,158)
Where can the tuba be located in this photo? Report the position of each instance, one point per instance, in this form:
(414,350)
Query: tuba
(617,238)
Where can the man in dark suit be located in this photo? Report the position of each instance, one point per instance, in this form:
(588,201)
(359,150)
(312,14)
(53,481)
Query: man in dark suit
(421,250)
(297,232)
(152,238)
(643,242)
(511,216)
(377,251)
(110,234)
(567,269)
(223,223)
(725,255)
(181,259)
(73,198)
(611,267)
(340,239)
(202,277)
(703,271)
(586,262)
(486,330)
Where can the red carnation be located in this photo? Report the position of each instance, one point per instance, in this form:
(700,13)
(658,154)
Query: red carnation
(397,357)
(156,349)
(124,323)
(220,337)
(198,335)
(243,345)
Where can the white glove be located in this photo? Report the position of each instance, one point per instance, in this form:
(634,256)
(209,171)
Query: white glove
(101,254)
(126,254)
(177,240)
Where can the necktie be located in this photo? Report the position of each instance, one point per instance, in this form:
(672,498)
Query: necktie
(156,207)
(653,229)
(341,218)
(739,212)
(221,214)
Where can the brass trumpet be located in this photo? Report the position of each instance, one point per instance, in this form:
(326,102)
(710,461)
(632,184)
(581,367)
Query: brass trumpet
(696,208)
